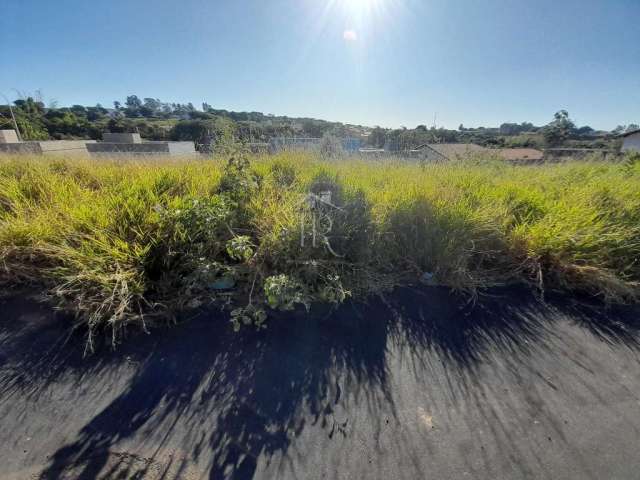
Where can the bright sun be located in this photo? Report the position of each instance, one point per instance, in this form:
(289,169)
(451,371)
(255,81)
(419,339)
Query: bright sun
(360,16)
(359,5)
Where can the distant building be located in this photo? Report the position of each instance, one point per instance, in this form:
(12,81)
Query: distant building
(442,152)
(351,144)
(373,152)
(521,155)
(631,141)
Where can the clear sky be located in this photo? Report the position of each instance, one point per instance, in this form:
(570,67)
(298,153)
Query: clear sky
(373,62)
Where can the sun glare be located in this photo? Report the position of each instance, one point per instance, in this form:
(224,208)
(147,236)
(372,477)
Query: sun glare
(357,6)
(361,20)
(359,3)
(350,35)
(359,15)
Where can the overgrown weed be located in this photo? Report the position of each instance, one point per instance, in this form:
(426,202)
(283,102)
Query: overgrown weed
(121,242)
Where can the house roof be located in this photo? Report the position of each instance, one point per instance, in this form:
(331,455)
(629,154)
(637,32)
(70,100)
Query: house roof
(452,150)
(520,154)
(626,134)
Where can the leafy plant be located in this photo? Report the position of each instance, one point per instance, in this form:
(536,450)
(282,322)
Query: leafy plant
(240,248)
(246,316)
(283,292)
(333,291)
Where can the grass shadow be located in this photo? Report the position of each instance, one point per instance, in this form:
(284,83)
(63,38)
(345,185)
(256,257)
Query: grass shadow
(233,402)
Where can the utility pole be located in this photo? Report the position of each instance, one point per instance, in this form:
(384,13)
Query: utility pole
(13,117)
(435,127)
(15,124)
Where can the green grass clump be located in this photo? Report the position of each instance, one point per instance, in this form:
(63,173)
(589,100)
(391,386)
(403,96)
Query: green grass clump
(129,241)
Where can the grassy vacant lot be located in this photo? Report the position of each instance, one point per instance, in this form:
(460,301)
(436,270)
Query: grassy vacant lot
(131,241)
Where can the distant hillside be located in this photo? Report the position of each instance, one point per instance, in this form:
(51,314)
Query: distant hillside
(157,120)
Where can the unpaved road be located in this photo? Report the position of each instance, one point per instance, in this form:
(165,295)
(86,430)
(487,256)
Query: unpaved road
(427,387)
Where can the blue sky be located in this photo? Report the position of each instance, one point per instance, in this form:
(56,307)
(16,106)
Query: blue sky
(373,62)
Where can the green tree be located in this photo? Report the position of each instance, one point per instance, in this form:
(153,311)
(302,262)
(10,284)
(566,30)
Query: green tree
(584,131)
(377,137)
(133,104)
(96,113)
(78,110)
(559,130)
(194,130)
(151,107)
(29,113)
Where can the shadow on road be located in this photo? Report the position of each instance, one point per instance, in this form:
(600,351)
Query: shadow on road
(226,402)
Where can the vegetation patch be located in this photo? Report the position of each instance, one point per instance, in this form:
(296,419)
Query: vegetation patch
(134,242)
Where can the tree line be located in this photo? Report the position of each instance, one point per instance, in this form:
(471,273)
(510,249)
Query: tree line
(157,120)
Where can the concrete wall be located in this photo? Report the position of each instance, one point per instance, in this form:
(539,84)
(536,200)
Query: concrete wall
(146,148)
(564,154)
(104,148)
(51,147)
(631,142)
(181,148)
(8,136)
(121,138)
(65,147)
(23,148)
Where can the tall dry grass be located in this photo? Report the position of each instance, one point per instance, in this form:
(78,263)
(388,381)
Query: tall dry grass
(131,241)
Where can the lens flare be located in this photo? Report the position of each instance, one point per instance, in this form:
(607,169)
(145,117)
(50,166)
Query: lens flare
(350,35)
(358,15)
(358,22)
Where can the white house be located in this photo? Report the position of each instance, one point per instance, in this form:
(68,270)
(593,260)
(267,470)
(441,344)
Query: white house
(631,141)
